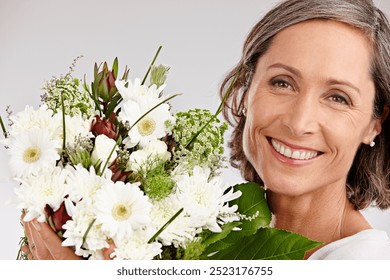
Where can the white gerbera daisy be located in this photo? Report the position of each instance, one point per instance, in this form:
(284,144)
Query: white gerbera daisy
(180,230)
(83,183)
(47,187)
(135,246)
(121,208)
(32,151)
(135,91)
(204,199)
(83,221)
(150,127)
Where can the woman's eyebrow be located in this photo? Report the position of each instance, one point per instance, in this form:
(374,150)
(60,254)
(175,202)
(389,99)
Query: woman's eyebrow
(330,82)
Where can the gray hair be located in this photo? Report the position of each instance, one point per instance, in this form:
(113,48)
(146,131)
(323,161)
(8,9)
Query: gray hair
(369,178)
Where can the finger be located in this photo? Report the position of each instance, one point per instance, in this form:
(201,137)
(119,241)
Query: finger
(27,252)
(53,243)
(36,244)
(108,251)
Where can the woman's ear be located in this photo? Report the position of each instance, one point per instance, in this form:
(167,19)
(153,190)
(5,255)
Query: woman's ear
(376,126)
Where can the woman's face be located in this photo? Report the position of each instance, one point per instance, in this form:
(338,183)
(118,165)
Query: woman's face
(310,107)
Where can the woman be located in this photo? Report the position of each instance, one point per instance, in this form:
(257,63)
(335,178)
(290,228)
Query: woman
(308,107)
(309,111)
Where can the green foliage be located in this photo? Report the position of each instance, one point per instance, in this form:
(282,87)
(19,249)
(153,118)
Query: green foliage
(255,240)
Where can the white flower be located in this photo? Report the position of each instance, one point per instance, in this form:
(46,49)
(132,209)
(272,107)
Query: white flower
(83,183)
(29,118)
(121,208)
(149,157)
(135,91)
(83,220)
(75,126)
(47,187)
(204,199)
(150,127)
(102,150)
(32,151)
(180,230)
(135,246)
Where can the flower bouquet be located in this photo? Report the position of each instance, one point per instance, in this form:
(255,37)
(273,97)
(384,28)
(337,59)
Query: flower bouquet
(111,162)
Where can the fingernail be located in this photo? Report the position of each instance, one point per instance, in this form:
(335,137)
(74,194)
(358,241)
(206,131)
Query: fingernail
(36,225)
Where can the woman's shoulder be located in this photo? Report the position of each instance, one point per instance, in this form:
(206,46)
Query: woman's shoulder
(370,244)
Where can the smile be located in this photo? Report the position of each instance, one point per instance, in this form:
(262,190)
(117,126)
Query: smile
(289,152)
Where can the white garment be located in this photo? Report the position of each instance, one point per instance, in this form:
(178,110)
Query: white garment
(370,244)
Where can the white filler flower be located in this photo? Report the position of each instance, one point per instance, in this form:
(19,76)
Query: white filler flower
(32,151)
(121,209)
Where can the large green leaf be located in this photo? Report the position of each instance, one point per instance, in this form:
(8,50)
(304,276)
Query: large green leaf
(268,244)
(253,205)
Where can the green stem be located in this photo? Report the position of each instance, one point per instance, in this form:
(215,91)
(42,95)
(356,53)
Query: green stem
(162,102)
(165,225)
(219,110)
(63,123)
(3,128)
(151,64)
(108,159)
(87,231)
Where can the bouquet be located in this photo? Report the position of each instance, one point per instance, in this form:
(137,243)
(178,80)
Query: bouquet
(111,162)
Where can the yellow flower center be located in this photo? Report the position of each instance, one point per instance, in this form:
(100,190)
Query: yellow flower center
(121,212)
(146,126)
(31,154)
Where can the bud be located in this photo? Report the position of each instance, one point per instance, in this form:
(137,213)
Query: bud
(158,75)
(103,126)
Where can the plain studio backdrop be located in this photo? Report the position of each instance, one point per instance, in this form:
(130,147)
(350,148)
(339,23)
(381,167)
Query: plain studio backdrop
(201,41)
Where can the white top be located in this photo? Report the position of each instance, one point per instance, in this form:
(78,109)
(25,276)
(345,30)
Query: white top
(370,244)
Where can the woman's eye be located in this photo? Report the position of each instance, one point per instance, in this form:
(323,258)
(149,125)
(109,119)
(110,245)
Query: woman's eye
(281,84)
(337,98)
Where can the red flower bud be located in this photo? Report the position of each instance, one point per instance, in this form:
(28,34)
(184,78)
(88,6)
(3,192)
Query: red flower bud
(103,126)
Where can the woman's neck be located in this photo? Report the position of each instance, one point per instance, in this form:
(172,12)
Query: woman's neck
(325,215)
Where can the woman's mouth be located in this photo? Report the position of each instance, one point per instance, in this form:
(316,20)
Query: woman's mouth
(293,152)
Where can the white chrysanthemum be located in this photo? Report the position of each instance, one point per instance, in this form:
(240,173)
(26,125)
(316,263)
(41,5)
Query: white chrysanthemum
(47,187)
(83,183)
(29,118)
(150,127)
(135,91)
(149,157)
(82,217)
(121,208)
(76,126)
(135,246)
(32,151)
(204,199)
(180,230)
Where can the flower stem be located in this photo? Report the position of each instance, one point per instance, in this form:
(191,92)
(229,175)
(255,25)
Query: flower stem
(63,122)
(151,64)
(165,225)
(3,128)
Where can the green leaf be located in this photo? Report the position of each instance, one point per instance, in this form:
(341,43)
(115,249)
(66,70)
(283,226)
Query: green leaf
(115,67)
(268,244)
(253,205)
(226,229)
(112,105)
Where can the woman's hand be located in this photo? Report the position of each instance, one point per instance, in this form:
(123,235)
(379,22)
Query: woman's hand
(45,244)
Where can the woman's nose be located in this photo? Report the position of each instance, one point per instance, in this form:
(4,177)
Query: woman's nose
(302,116)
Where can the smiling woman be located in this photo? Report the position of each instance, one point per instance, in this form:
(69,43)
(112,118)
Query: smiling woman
(309,114)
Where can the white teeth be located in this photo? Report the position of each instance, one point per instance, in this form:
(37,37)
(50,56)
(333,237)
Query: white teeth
(294,154)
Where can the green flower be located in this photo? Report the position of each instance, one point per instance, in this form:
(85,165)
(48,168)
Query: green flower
(200,136)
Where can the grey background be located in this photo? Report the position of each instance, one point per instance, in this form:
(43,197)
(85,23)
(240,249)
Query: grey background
(201,41)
